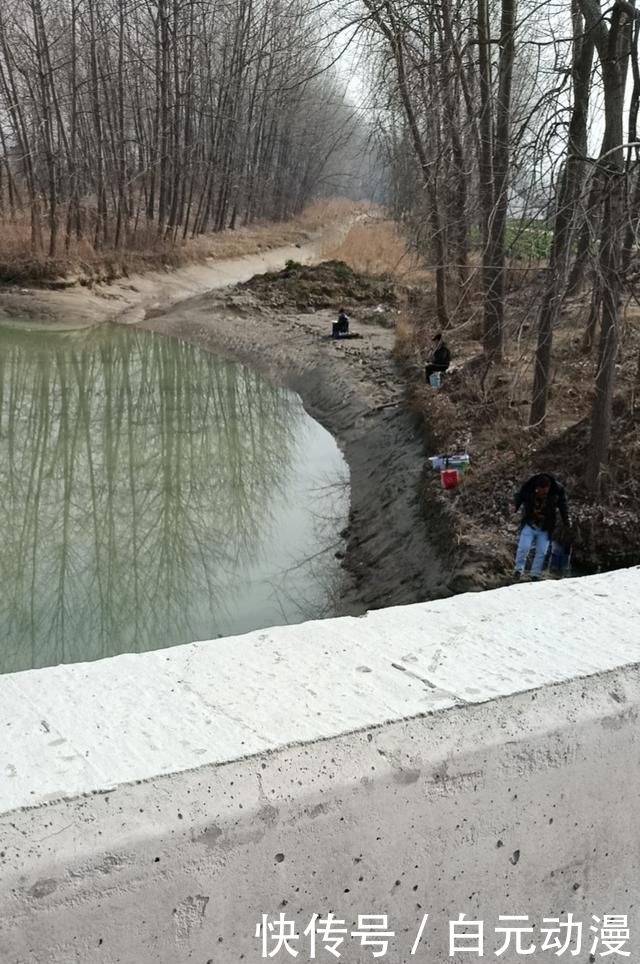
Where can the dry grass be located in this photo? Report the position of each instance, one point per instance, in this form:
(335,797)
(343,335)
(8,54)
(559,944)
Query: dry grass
(376,246)
(82,263)
(337,210)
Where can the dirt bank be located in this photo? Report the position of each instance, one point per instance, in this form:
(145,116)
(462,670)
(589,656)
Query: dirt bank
(399,550)
(130,299)
(486,410)
(399,545)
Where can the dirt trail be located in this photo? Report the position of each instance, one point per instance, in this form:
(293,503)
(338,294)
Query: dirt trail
(128,300)
(354,390)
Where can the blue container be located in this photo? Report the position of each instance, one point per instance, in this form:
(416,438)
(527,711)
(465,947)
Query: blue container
(435,379)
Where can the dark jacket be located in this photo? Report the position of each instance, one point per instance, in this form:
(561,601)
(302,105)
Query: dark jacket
(441,356)
(555,502)
(343,322)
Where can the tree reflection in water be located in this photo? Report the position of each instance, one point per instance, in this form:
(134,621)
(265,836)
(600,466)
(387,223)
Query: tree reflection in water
(140,483)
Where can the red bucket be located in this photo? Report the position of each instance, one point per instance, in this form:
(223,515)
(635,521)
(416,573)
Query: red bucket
(449,478)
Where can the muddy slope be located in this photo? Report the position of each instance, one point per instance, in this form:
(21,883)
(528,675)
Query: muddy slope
(397,550)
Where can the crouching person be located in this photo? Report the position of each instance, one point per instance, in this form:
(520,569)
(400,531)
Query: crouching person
(540,500)
(440,358)
(341,326)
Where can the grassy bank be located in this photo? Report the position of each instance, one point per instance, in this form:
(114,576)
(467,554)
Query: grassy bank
(83,264)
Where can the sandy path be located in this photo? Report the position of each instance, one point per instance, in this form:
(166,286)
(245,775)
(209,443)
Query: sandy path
(129,299)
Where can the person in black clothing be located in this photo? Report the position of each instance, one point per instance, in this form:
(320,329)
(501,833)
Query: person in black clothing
(539,500)
(440,358)
(341,326)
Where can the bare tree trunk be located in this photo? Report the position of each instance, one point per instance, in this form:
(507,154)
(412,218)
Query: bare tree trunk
(390,29)
(589,230)
(613,45)
(495,270)
(569,191)
(457,195)
(595,306)
(611,241)
(633,152)
(163,21)
(485,160)
(73,202)
(122,213)
(100,233)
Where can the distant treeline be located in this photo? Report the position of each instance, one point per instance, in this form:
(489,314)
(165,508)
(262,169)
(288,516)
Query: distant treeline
(123,121)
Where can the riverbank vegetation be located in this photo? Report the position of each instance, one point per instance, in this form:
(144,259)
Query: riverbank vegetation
(85,264)
(509,132)
(485,408)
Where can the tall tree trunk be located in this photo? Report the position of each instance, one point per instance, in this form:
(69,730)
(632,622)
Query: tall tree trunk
(100,233)
(485,159)
(588,232)
(595,306)
(633,153)
(569,191)
(122,212)
(613,45)
(73,202)
(496,269)
(390,29)
(164,40)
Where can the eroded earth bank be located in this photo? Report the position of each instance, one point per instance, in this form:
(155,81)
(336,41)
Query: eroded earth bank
(398,550)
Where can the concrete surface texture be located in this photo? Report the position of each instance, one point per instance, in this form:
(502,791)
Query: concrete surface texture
(475,755)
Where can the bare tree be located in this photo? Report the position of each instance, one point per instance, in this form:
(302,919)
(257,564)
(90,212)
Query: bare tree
(613,44)
(569,190)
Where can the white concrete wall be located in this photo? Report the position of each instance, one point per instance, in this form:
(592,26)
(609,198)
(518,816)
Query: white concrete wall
(476,755)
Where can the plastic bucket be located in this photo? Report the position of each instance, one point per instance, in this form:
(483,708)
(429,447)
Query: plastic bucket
(449,478)
(435,379)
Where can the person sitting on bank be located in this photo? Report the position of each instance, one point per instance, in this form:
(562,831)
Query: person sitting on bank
(539,500)
(440,358)
(341,326)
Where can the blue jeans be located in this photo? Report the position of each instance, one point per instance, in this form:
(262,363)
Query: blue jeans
(528,537)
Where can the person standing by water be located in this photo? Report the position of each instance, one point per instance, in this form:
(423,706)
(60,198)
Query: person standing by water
(440,358)
(539,500)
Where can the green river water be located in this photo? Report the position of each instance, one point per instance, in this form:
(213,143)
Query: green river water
(153,494)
